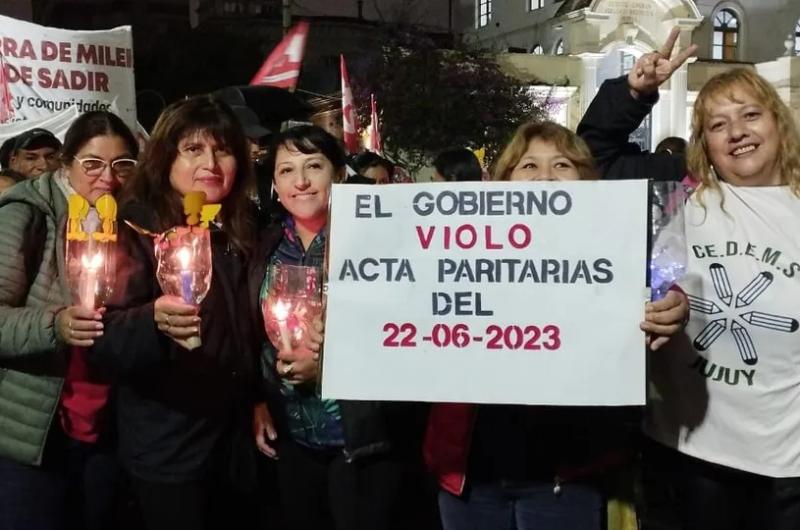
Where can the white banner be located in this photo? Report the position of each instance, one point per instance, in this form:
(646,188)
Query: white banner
(57,72)
(527,293)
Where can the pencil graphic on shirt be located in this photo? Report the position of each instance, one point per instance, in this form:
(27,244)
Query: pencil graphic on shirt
(701,305)
(722,285)
(710,333)
(744,343)
(775,322)
(754,289)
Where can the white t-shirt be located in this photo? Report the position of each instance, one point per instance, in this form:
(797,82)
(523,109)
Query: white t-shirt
(728,390)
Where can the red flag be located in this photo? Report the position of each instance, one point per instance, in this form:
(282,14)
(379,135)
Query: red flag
(6,108)
(349,117)
(374,128)
(282,67)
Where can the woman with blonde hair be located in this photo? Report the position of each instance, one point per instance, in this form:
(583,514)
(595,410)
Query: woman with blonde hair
(723,403)
(538,467)
(560,151)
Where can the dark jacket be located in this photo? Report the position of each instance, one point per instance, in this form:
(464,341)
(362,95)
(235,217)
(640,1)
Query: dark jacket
(366,429)
(490,443)
(177,409)
(610,119)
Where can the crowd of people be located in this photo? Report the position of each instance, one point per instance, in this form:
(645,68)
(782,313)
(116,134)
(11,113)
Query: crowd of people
(109,418)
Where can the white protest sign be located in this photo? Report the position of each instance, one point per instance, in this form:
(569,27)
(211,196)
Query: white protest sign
(527,293)
(56,71)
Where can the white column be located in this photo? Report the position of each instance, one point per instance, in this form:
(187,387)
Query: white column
(678,95)
(589,84)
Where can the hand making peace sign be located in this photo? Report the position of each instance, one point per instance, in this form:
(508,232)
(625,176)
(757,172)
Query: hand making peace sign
(654,68)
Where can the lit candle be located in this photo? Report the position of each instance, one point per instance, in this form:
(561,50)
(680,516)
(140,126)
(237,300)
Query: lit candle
(87,286)
(185,258)
(281,311)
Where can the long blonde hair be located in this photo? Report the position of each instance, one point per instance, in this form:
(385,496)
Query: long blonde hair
(723,85)
(567,142)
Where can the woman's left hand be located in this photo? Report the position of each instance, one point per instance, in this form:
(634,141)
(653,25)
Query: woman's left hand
(664,318)
(301,364)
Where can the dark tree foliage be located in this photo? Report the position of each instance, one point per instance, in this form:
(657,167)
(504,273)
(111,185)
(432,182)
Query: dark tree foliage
(431,99)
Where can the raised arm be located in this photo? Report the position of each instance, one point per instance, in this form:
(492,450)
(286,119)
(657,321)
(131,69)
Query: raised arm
(619,108)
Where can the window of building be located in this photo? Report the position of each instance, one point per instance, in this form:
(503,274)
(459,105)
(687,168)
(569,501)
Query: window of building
(538,50)
(559,50)
(797,38)
(726,35)
(484,12)
(535,4)
(232,8)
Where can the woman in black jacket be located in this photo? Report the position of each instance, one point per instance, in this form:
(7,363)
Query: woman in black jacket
(178,409)
(339,465)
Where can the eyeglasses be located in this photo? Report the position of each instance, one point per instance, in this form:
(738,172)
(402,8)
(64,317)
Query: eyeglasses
(94,167)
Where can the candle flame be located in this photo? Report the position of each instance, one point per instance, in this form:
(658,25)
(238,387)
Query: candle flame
(185,257)
(280,309)
(92,263)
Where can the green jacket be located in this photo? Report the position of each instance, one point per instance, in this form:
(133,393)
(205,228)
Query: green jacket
(32,361)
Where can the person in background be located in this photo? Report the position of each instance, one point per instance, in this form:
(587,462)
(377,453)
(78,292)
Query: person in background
(57,464)
(373,166)
(253,130)
(256,135)
(457,165)
(721,412)
(34,153)
(537,467)
(5,170)
(671,145)
(184,414)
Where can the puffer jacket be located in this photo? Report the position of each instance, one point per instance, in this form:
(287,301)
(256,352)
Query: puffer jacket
(32,360)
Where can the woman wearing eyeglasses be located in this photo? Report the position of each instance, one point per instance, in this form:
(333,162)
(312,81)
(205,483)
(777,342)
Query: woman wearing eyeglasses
(57,465)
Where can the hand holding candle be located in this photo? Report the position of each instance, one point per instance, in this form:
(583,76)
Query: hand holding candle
(178,320)
(79,326)
(184,264)
(184,269)
(301,364)
(290,309)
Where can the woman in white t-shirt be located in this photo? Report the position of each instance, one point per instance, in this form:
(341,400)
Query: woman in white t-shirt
(724,398)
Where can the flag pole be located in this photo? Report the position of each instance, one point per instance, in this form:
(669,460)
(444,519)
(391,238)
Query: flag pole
(287,16)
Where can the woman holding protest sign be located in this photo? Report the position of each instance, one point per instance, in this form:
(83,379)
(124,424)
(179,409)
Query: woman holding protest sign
(526,468)
(184,408)
(57,463)
(724,419)
(338,465)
